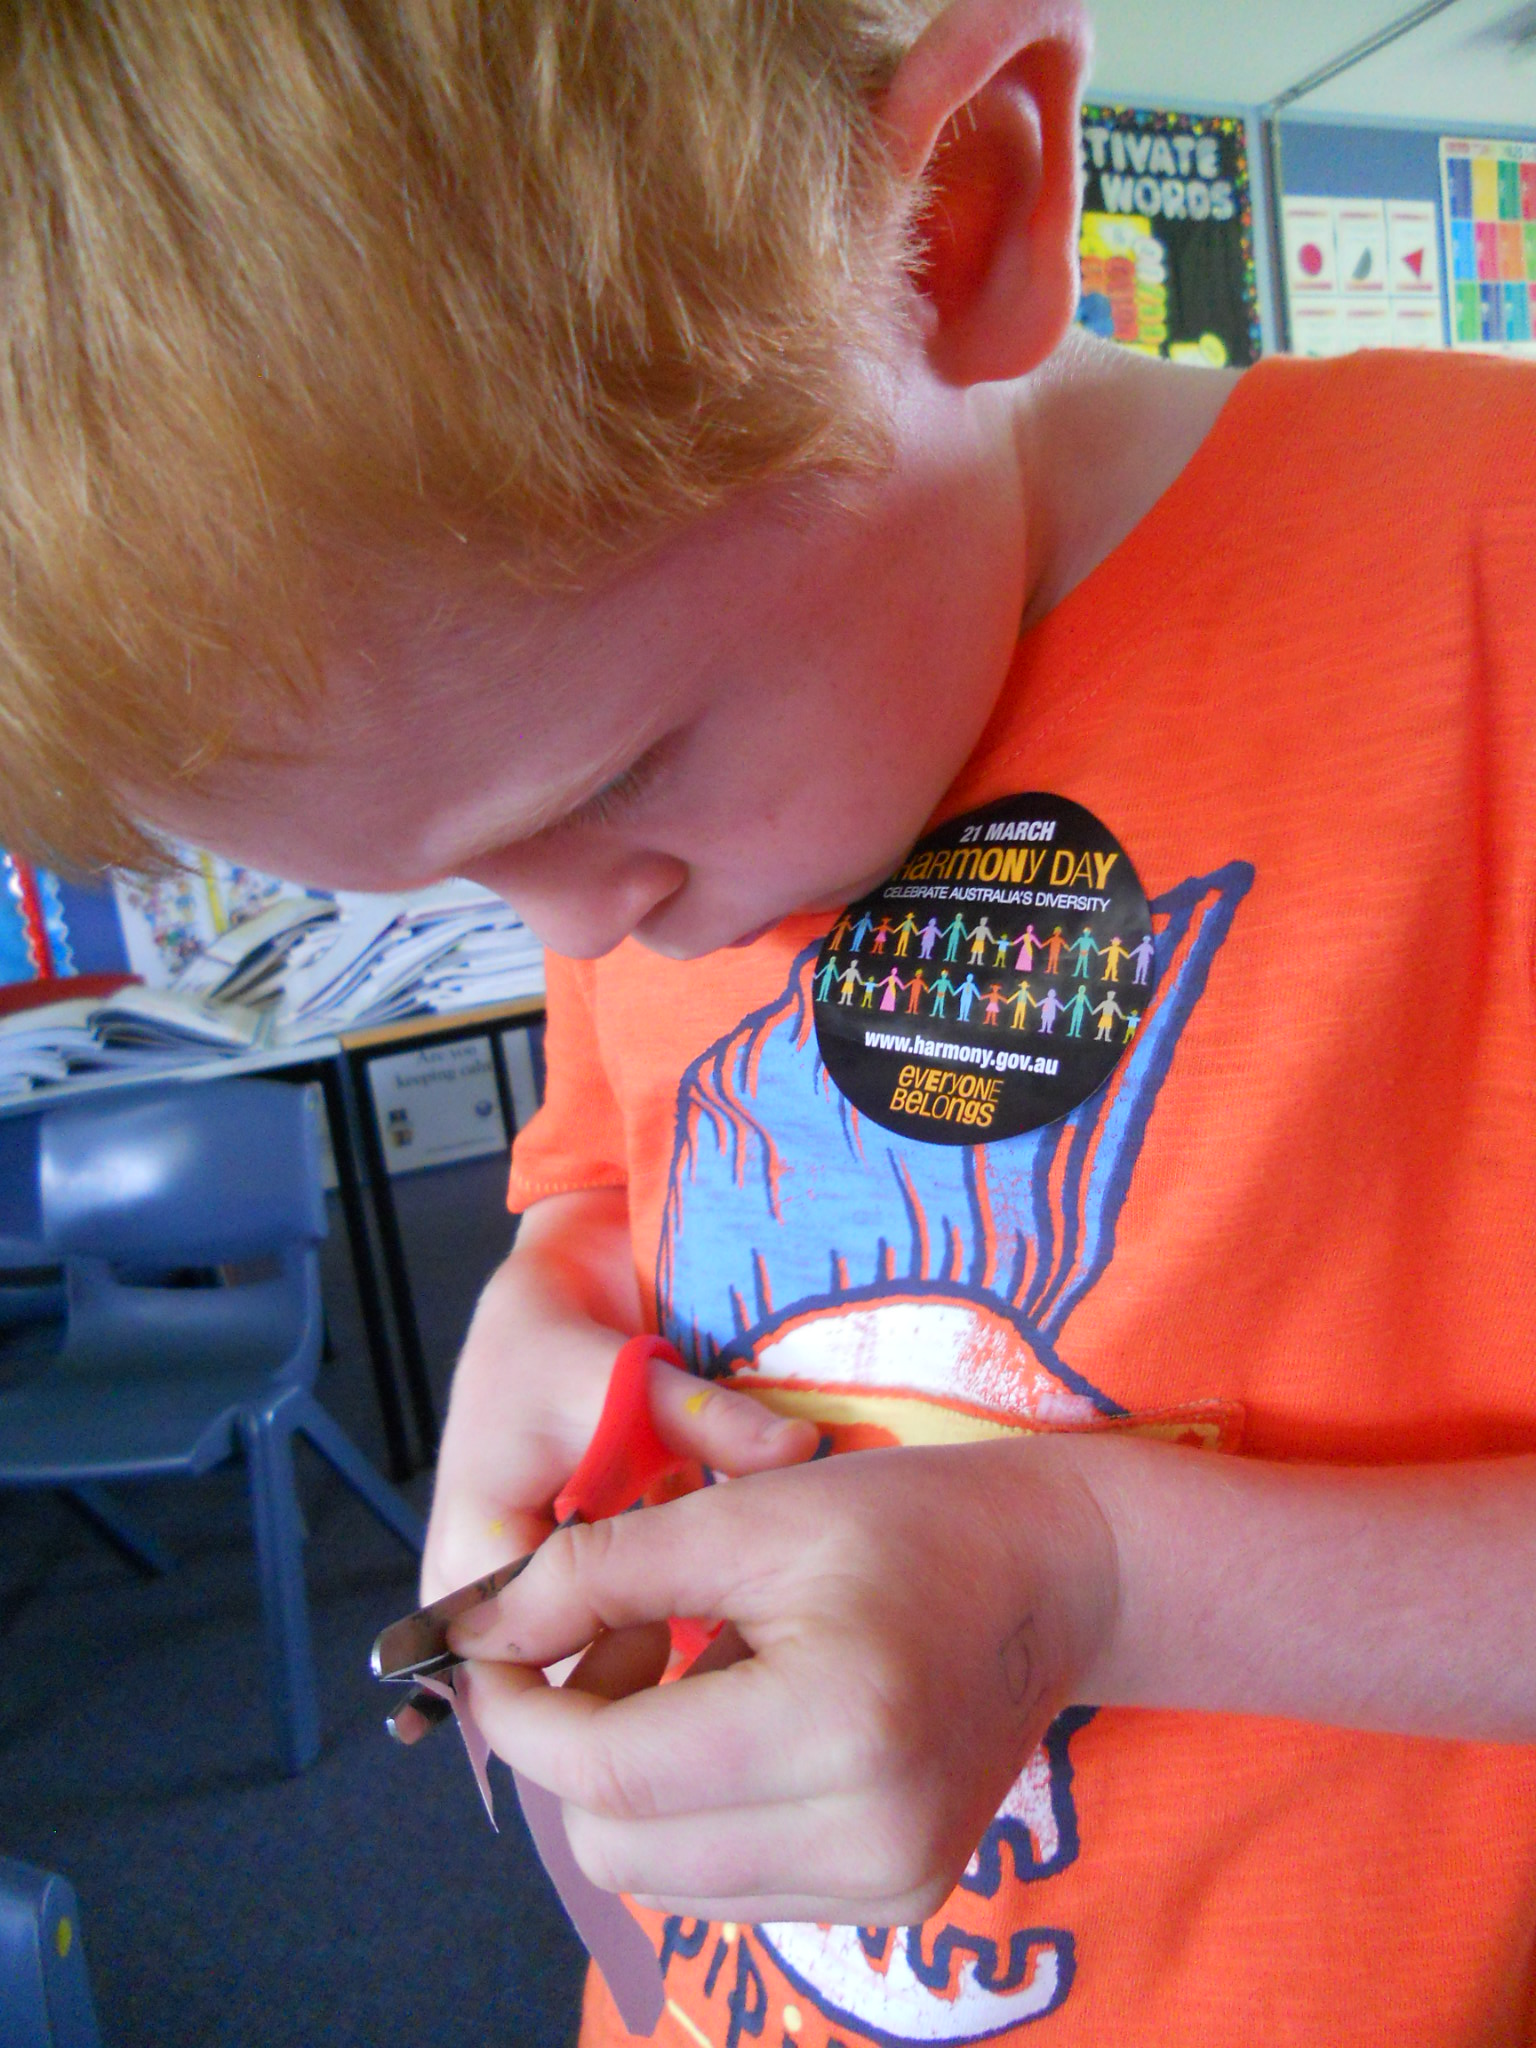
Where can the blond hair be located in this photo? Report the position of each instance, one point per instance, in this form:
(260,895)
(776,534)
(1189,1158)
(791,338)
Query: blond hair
(283,272)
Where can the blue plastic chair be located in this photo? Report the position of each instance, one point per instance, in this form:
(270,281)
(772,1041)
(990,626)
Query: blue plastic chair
(33,1310)
(31,1292)
(153,1380)
(45,1995)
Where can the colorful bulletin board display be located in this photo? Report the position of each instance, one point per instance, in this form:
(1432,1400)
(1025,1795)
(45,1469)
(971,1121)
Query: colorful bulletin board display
(1490,243)
(169,919)
(1362,273)
(1167,237)
(34,935)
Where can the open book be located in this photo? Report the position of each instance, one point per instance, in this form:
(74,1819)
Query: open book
(139,1029)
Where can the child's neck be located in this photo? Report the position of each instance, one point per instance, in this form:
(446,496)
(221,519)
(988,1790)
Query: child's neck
(1102,434)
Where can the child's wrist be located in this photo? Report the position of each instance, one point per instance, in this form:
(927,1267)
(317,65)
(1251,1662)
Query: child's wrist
(1152,1502)
(1067,1543)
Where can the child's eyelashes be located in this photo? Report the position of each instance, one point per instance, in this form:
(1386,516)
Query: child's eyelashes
(623,792)
(610,801)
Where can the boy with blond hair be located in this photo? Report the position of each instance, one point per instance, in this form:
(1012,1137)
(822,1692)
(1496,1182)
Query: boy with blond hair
(638,459)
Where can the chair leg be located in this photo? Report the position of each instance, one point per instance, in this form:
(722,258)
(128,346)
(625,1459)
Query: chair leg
(339,1451)
(45,1995)
(144,1552)
(285,1608)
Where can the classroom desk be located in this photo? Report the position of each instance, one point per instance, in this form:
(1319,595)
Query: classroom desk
(358,1049)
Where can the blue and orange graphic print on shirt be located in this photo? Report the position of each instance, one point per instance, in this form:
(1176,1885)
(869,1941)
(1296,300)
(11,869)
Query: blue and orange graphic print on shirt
(905,1293)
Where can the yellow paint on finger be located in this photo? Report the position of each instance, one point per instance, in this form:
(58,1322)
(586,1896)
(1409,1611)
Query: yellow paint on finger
(496,1527)
(695,1402)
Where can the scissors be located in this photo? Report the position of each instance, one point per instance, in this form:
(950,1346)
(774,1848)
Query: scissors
(624,1459)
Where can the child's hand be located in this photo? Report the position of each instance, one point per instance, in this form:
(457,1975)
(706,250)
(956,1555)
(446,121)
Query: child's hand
(915,1618)
(529,1389)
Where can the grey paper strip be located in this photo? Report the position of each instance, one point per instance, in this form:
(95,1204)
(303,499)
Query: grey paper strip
(614,1938)
(476,1748)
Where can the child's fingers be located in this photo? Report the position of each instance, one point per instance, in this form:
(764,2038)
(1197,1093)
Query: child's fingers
(677,1559)
(472,1531)
(722,1428)
(767,1849)
(825,1910)
(756,1851)
(757,1911)
(731,1738)
(825,1854)
(490,1687)
(623,1661)
(470,1536)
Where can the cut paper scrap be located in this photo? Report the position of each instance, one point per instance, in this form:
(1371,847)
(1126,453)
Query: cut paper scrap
(612,1935)
(476,1748)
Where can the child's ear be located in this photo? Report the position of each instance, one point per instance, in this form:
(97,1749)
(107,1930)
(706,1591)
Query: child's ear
(984,108)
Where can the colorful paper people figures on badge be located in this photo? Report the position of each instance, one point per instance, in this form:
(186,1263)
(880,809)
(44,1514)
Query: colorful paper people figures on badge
(1079,961)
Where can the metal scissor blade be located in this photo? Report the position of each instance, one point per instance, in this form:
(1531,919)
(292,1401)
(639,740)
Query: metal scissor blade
(417,1715)
(417,1645)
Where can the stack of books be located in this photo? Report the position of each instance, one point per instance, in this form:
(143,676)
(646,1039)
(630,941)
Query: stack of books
(246,963)
(301,968)
(382,958)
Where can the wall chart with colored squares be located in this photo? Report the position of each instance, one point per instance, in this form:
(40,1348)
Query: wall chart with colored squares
(1490,243)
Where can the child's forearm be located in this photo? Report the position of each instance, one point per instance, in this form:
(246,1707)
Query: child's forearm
(1400,1599)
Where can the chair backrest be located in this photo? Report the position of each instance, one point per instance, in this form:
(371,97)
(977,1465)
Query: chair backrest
(200,1173)
(136,1188)
(32,1297)
(20,1227)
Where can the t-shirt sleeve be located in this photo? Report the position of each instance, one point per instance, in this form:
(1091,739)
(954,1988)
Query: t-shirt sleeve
(576,1139)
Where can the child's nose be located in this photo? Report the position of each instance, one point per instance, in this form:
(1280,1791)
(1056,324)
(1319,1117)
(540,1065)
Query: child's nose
(577,903)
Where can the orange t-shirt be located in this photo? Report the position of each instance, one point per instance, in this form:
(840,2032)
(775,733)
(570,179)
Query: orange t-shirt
(1298,1224)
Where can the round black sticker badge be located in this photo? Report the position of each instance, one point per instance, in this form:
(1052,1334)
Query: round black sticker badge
(994,981)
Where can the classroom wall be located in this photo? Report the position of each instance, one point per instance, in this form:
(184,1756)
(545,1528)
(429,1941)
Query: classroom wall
(1329,159)
(1323,157)
(94,931)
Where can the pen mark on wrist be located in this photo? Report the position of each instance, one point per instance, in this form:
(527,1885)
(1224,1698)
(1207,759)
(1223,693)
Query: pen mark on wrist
(1016,1654)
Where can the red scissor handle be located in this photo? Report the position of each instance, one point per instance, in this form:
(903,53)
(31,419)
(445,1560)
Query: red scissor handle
(626,1455)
